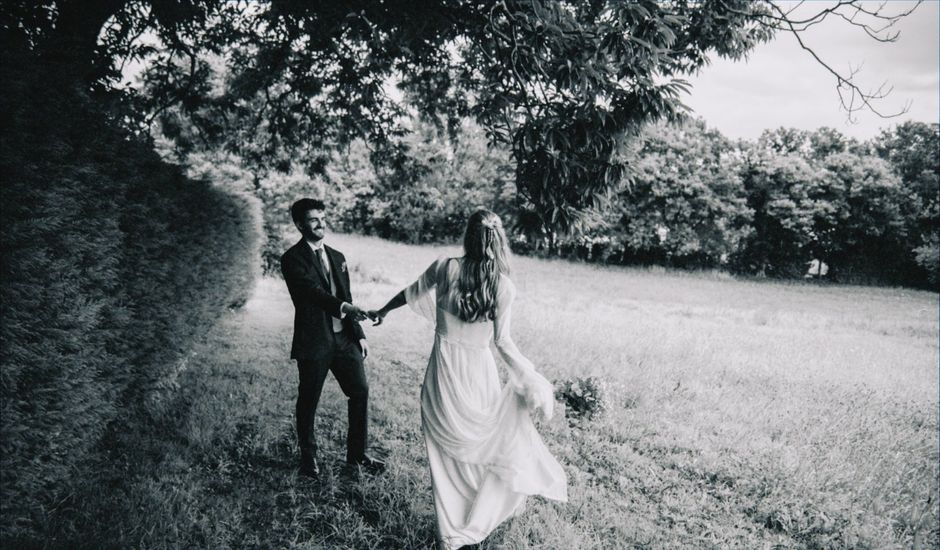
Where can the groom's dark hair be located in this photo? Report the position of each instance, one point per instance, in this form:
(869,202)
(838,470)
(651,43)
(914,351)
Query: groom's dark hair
(299,208)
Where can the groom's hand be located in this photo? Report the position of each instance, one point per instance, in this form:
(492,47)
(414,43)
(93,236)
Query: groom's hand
(356,313)
(364,347)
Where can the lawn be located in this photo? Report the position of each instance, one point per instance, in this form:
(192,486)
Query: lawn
(745,414)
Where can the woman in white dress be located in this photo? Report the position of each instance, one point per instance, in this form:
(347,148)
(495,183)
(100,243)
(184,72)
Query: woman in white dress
(484,452)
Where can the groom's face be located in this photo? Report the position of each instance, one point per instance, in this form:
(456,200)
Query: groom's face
(313,225)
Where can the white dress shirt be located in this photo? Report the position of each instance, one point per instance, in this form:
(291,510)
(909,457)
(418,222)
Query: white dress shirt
(325,262)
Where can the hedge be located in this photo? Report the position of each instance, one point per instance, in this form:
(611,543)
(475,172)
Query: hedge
(113,264)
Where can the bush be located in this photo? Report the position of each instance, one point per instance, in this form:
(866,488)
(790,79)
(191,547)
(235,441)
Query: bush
(927,257)
(113,263)
(585,398)
(273,189)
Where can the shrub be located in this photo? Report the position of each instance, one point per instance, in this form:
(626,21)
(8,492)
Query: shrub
(113,263)
(927,257)
(585,398)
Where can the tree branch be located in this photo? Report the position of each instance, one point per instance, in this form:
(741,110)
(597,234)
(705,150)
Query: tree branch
(851,96)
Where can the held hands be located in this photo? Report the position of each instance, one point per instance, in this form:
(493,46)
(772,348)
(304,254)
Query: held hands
(356,313)
(377,316)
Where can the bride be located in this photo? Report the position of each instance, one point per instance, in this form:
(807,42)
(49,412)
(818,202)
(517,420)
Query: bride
(483,450)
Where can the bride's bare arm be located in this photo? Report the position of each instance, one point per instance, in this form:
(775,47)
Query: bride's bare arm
(396,302)
(418,295)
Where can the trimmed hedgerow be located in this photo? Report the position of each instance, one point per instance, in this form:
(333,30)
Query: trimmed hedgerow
(113,263)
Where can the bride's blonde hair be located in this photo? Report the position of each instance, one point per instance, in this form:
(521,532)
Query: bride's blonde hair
(486,256)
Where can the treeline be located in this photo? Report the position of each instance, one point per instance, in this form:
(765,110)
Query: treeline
(694,199)
(113,263)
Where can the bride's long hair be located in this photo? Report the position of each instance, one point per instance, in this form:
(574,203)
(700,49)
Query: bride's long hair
(486,256)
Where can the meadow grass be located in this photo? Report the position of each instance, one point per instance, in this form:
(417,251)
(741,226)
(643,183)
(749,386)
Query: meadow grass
(749,414)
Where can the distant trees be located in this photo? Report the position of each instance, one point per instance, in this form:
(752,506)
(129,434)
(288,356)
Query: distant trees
(695,199)
(692,198)
(426,191)
(821,195)
(686,203)
(913,151)
(842,209)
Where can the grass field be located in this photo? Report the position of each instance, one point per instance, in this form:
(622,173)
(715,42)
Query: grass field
(751,414)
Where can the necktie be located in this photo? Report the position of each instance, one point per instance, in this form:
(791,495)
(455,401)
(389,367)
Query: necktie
(324,263)
(337,324)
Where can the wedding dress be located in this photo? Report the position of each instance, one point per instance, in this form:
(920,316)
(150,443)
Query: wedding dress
(484,452)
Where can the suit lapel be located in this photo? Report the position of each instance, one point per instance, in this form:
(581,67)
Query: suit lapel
(336,265)
(311,258)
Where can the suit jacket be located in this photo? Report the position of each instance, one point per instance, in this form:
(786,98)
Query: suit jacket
(314,304)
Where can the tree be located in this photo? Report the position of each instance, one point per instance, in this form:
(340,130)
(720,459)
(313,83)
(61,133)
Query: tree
(784,141)
(562,83)
(854,214)
(913,150)
(826,141)
(429,192)
(687,204)
(776,186)
(844,208)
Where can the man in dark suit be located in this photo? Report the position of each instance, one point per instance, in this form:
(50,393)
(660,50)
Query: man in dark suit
(327,337)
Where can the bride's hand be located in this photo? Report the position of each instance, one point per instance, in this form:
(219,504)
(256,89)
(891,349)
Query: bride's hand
(377,316)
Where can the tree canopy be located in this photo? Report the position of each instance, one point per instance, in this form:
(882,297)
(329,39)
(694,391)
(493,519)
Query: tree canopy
(562,83)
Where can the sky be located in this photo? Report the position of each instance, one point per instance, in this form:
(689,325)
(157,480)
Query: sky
(782,85)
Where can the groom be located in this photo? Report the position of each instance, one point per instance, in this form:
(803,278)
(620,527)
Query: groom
(327,337)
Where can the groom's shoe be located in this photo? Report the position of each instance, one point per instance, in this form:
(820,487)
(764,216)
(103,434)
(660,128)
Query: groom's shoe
(309,468)
(370,465)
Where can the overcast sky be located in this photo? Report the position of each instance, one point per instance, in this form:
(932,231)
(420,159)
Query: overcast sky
(781,85)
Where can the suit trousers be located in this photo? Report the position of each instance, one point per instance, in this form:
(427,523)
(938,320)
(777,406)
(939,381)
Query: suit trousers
(344,360)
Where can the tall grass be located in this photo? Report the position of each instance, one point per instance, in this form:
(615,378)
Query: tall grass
(814,407)
(754,414)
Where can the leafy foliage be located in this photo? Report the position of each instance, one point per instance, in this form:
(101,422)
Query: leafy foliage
(586,398)
(686,205)
(428,190)
(102,244)
(913,150)
(818,195)
(561,84)
(696,200)
(773,183)
(856,221)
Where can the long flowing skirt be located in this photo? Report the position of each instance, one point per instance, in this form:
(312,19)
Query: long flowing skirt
(484,452)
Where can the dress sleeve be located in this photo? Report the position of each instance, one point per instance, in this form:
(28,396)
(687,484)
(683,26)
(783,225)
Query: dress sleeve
(538,392)
(420,295)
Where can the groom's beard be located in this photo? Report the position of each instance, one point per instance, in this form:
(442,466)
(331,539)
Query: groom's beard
(315,235)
